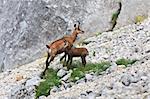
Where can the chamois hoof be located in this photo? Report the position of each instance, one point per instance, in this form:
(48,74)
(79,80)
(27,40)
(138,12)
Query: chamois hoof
(64,65)
(42,75)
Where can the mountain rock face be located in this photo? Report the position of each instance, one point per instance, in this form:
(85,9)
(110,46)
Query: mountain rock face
(26,26)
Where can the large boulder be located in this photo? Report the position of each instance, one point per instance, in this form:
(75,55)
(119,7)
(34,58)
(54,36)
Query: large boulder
(26,26)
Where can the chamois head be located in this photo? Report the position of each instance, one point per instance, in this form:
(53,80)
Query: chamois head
(77,28)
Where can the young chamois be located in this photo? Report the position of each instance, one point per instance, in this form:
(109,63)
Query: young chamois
(76,52)
(59,46)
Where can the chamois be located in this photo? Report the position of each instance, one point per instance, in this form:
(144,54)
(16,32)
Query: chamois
(76,52)
(59,46)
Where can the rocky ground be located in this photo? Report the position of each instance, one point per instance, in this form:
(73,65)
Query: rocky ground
(118,82)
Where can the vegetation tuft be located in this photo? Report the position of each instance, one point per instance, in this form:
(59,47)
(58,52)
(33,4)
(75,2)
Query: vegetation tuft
(139,19)
(50,79)
(115,17)
(125,62)
(80,71)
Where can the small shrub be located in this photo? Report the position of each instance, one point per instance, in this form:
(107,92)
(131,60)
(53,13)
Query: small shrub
(50,79)
(139,19)
(80,71)
(125,62)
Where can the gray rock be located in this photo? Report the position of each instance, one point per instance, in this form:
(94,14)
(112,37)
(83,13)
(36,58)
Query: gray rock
(125,79)
(55,89)
(112,68)
(42,97)
(16,89)
(82,80)
(66,77)
(92,95)
(33,81)
(20,92)
(61,73)
(83,96)
(88,77)
(144,78)
(30,89)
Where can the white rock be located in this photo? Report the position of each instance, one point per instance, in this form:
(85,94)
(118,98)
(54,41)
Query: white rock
(42,97)
(61,73)
(66,77)
(88,77)
(144,78)
(33,81)
(54,89)
(91,95)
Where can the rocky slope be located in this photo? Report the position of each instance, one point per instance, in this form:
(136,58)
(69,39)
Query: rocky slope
(132,42)
(26,25)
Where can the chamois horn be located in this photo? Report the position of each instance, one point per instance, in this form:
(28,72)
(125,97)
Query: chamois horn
(78,22)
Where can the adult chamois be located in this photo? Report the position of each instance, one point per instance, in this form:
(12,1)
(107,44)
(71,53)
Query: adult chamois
(59,46)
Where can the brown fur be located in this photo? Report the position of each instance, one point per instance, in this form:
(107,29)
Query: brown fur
(59,46)
(77,52)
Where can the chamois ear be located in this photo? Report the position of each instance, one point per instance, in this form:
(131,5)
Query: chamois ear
(47,46)
(75,25)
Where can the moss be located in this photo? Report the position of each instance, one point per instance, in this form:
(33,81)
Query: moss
(50,79)
(125,62)
(140,18)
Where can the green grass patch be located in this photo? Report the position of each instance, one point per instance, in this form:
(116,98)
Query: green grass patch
(80,70)
(50,79)
(125,62)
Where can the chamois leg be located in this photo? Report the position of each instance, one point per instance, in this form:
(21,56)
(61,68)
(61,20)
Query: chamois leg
(71,60)
(52,58)
(47,63)
(83,60)
(63,57)
(64,62)
(68,60)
